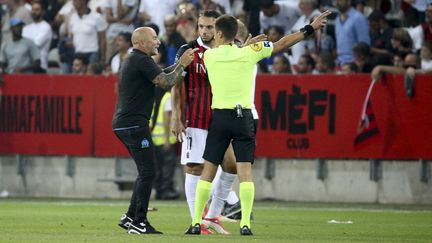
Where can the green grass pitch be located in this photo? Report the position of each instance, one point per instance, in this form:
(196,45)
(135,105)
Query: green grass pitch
(54,220)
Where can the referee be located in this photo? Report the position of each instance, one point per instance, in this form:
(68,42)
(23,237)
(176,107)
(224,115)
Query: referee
(231,71)
(136,90)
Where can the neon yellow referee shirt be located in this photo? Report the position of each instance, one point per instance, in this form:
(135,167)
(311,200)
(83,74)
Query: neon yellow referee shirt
(231,73)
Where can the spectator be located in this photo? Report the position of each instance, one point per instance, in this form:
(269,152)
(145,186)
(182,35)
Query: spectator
(235,8)
(87,31)
(225,5)
(119,15)
(351,28)
(398,59)
(252,8)
(173,40)
(277,13)
(20,55)
(274,34)
(325,63)
(165,146)
(96,68)
(309,10)
(306,64)
(320,42)
(427,25)
(124,47)
(207,5)
(362,57)
(425,61)
(401,41)
(360,5)
(65,46)
(414,28)
(380,36)
(348,68)
(187,21)
(16,9)
(154,11)
(39,32)
(426,56)
(419,6)
(281,64)
(79,65)
(410,60)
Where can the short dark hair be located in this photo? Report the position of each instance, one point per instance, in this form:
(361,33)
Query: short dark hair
(210,14)
(361,49)
(309,60)
(127,37)
(228,25)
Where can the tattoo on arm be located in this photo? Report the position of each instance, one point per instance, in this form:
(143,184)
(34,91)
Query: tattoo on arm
(168,80)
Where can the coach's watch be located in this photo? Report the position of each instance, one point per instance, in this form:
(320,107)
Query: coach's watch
(307,30)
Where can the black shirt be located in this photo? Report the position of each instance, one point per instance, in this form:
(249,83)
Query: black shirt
(135,90)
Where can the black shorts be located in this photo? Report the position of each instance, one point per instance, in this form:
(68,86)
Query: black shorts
(226,126)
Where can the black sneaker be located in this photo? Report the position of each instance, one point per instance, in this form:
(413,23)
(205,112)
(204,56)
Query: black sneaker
(142,228)
(125,221)
(194,230)
(232,209)
(245,231)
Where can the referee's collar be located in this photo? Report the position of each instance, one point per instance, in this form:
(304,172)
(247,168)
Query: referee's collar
(201,43)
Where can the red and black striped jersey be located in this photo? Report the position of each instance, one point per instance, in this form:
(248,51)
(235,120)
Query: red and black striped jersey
(197,110)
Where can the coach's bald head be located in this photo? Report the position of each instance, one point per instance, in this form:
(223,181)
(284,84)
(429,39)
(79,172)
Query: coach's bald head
(146,40)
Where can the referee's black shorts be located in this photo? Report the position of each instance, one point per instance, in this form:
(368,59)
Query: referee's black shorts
(224,126)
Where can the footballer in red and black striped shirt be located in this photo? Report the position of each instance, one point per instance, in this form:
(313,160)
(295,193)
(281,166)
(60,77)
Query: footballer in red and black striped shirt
(196,112)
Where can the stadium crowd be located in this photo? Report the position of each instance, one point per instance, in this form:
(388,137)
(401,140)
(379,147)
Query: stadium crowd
(93,36)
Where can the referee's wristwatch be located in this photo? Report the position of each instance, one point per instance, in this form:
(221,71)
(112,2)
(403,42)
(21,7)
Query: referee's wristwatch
(307,30)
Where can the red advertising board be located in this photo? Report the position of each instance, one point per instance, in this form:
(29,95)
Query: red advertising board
(317,116)
(301,116)
(42,114)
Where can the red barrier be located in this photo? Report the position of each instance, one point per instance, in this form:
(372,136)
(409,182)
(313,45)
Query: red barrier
(317,116)
(41,114)
(312,116)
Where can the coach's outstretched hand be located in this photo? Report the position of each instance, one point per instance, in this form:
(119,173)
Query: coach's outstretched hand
(321,20)
(187,57)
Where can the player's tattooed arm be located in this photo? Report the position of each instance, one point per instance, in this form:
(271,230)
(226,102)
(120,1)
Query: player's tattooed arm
(168,80)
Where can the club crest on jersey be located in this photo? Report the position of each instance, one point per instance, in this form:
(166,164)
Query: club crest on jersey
(145,143)
(256,46)
(200,54)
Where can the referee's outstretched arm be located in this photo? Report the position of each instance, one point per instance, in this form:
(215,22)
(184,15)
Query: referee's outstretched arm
(291,39)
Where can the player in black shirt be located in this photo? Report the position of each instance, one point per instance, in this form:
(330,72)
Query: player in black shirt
(137,79)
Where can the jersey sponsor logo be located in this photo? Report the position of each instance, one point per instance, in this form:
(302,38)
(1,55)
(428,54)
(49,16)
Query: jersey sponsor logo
(256,46)
(266,44)
(200,68)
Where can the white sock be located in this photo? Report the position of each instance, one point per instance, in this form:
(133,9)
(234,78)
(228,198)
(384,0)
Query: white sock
(232,198)
(190,190)
(221,191)
(216,180)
